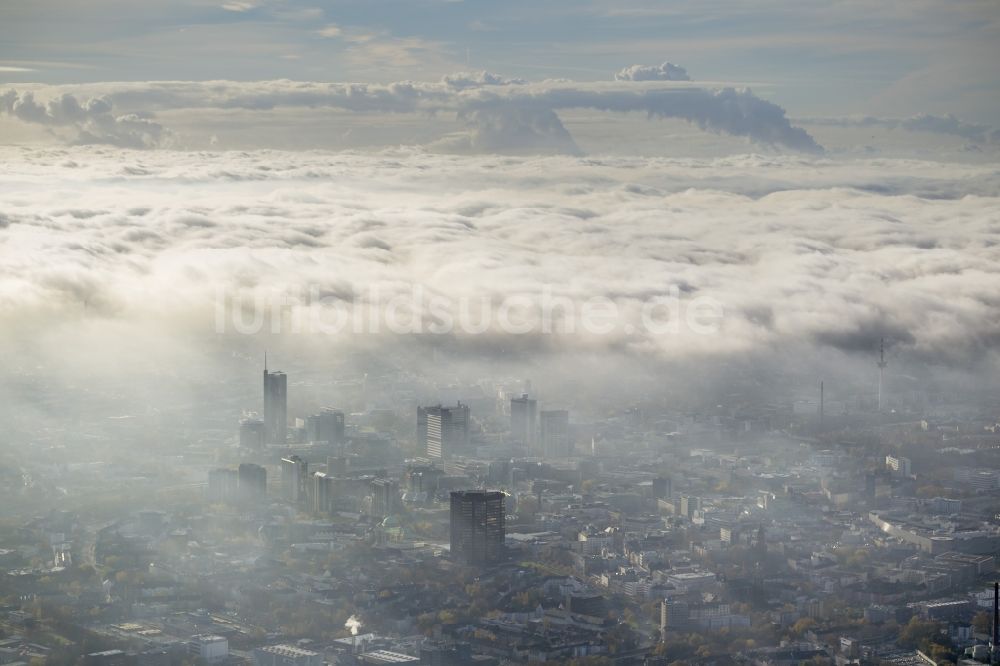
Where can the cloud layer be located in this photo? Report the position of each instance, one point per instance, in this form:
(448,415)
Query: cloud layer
(667,71)
(506,115)
(92,120)
(799,252)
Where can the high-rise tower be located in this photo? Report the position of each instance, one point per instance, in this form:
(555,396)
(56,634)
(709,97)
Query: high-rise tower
(882,363)
(294,479)
(554,428)
(326,427)
(477,526)
(275,406)
(252,433)
(251,482)
(524,421)
(822,404)
(441,431)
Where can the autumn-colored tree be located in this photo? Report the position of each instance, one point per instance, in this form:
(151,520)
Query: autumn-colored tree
(803,625)
(982,623)
(917,634)
(941,653)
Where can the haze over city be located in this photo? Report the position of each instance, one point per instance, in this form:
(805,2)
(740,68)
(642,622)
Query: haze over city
(455,332)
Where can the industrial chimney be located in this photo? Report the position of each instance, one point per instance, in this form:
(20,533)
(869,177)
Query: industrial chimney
(996,619)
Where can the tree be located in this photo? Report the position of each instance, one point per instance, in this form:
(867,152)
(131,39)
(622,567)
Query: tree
(803,625)
(982,623)
(917,634)
(940,653)
(858,559)
(620,638)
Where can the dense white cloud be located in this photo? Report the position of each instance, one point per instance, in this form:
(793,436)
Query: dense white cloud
(496,107)
(799,252)
(667,71)
(463,80)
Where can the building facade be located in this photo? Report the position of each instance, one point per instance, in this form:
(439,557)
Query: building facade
(477,526)
(554,432)
(294,479)
(286,655)
(524,422)
(252,482)
(253,434)
(327,427)
(441,431)
(275,407)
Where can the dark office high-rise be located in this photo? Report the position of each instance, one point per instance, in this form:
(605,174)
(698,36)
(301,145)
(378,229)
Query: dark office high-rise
(477,526)
(275,407)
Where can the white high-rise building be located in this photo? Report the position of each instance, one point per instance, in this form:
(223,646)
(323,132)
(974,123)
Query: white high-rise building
(442,430)
(898,464)
(524,422)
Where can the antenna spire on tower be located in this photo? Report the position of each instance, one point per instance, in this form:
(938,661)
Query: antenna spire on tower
(882,363)
(822,400)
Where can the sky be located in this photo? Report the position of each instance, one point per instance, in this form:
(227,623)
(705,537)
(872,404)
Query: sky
(839,57)
(826,173)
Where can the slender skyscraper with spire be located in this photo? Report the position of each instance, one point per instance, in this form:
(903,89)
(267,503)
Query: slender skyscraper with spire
(882,363)
(275,406)
(822,404)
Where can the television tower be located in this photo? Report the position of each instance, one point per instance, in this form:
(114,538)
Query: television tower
(821,404)
(882,363)
(995,628)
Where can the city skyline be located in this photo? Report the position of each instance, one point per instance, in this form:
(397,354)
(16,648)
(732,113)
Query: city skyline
(468,333)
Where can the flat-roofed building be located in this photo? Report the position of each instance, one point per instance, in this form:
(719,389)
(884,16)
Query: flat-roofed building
(286,655)
(209,648)
(387,657)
